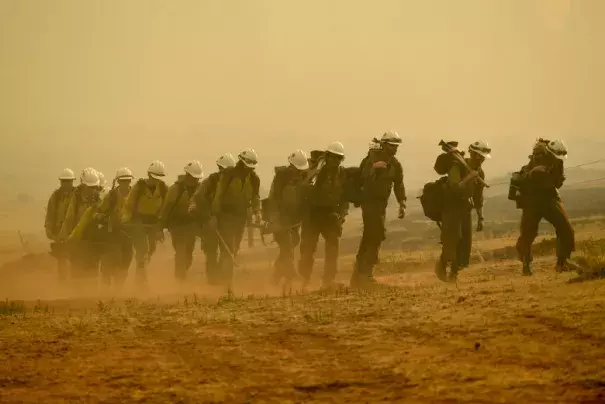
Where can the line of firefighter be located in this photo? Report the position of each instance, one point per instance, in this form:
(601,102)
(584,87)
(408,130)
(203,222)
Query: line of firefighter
(308,198)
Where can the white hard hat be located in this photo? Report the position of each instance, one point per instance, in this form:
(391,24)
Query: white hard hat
(481,147)
(102,180)
(336,148)
(90,177)
(194,169)
(156,169)
(124,173)
(557,148)
(226,160)
(249,158)
(391,137)
(67,174)
(299,159)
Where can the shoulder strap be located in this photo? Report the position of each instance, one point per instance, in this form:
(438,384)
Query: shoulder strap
(163,189)
(56,196)
(78,196)
(113,199)
(182,189)
(141,187)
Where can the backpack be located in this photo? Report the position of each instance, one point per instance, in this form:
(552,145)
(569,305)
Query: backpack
(433,195)
(353,185)
(444,162)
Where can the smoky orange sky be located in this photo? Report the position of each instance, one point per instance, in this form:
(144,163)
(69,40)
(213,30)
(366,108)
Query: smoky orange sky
(108,83)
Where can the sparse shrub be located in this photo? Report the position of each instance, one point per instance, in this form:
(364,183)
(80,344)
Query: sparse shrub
(8,308)
(226,299)
(320,316)
(591,260)
(40,308)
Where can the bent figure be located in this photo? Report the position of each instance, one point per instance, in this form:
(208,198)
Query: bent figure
(380,173)
(285,214)
(325,211)
(175,216)
(55,216)
(539,199)
(141,217)
(236,192)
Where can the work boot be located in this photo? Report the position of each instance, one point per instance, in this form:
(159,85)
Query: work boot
(527,269)
(563,265)
(453,275)
(440,270)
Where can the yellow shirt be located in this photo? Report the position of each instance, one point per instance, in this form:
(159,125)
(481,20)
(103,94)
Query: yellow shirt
(144,203)
(112,206)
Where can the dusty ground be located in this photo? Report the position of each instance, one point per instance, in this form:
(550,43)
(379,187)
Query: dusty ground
(493,337)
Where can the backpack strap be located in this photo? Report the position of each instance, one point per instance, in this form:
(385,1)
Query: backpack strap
(182,189)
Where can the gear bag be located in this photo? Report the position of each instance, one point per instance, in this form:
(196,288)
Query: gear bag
(444,162)
(353,185)
(433,195)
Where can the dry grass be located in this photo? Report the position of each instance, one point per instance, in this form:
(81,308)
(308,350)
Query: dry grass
(495,337)
(591,260)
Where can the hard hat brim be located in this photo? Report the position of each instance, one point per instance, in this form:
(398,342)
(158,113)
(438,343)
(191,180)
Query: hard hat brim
(67,178)
(248,164)
(156,176)
(485,154)
(125,177)
(301,167)
(560,157)
(198,176)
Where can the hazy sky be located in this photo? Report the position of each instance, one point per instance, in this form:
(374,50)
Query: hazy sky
(110,82)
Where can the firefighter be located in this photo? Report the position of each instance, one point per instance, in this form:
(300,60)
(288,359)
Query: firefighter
(326,208)
(175,216)
(84,260)
(456,235)
(285,213)
(200,209)
(118,256)
(236,192)
(55,216)
(141,216)
(539,199)
(315,157)
(380,172)
(478,152)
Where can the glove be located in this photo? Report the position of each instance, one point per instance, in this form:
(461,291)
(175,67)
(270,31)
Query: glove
(480,224)
(256,218)
(401,211)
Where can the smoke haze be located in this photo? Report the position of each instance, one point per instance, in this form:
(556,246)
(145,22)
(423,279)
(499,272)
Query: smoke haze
(113,83)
